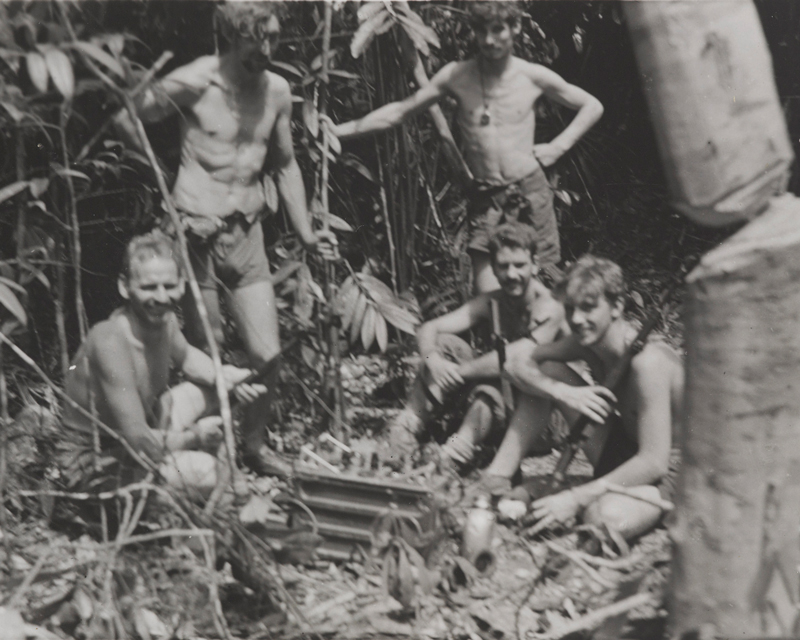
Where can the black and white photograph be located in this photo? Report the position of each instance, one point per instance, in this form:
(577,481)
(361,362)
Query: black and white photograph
(411,320)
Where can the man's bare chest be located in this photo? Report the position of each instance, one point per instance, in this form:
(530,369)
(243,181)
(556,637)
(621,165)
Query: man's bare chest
(239,118)
(511,99)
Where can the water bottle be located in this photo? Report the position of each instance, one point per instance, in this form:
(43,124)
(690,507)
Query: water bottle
(478,533)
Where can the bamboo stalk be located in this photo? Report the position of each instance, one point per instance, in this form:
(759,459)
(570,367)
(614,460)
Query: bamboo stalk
(75,234)
(3,447)
(59,304)
(335,356)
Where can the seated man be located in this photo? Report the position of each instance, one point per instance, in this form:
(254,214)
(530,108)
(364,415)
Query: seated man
(635,447)
(525,308)
(123,370)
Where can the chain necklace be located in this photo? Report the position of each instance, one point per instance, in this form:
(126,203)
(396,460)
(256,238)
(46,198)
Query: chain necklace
(486,116)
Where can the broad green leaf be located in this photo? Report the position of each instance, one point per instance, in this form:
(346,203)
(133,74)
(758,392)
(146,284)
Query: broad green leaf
(375,25)
(9,191)
(10,283)
(381,332)
(38,186)
(311,118)
(345,290)
(316,290)
(288,68)
(333,142)
(335,222)
(368,327)
(399,317)
(60,67)
(354,163)
(285,272)
(349,306)
(379,291)
(93,51)
(16,114)
(421,35)
(347,75)
(10,302)
(72,173)
(37,70)
(358,316)
(369,9)
(271,196)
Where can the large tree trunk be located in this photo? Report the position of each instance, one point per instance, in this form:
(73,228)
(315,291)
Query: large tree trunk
(708,79)
(736,534)
(707,75)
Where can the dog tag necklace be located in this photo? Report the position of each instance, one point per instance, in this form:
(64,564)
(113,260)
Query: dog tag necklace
(486,116)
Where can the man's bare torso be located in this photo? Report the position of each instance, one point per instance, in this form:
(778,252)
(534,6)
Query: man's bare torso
(502,150)
(225,136)
(628,396)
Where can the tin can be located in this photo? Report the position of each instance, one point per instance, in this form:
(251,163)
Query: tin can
(478,534)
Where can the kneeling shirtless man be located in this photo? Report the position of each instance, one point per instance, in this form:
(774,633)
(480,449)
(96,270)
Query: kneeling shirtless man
(635,447)
(123,368)
(450,369)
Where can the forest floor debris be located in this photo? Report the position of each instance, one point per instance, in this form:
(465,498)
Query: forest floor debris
(160,583)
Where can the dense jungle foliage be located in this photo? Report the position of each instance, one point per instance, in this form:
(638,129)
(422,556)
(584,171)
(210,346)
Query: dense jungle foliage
(71,196)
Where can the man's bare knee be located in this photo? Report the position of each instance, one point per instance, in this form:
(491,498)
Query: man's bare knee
(628,516)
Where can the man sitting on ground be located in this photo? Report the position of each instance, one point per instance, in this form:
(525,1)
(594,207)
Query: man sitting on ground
(525,307)
(496,95)
(123,369)
(635,447)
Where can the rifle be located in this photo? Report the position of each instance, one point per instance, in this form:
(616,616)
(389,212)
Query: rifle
(268,368)
(500,346)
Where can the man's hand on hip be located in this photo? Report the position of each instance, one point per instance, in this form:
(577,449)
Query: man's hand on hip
(547,153)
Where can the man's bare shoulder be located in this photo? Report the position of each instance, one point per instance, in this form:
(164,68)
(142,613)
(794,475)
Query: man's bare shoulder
(536,72)
(278,85)
(655,363)
(454,73)
(200,73)
(107,345)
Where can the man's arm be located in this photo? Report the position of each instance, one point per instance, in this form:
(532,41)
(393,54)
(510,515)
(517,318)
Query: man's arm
(559,90)
(180,88)
(392,114)
(111,365)
(651,393)
(444,373)
(288,178)
(546,324)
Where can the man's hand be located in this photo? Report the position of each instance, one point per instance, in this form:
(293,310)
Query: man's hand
(209,432)
(334,129)
(553,510)
(594,402)
(547,153)
(325,244)
(442,373)
(245,393)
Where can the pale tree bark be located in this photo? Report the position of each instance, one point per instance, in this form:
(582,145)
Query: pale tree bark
(708,78)
(736,532)
(707,75)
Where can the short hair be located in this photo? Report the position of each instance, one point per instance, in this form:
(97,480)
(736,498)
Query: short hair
(245,19)
(155,244)
(513,235)
(484,12)
(591,276)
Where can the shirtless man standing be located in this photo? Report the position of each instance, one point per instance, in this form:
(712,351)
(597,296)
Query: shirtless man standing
(235,116)
(636,447)
(525,309)
(496,94)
